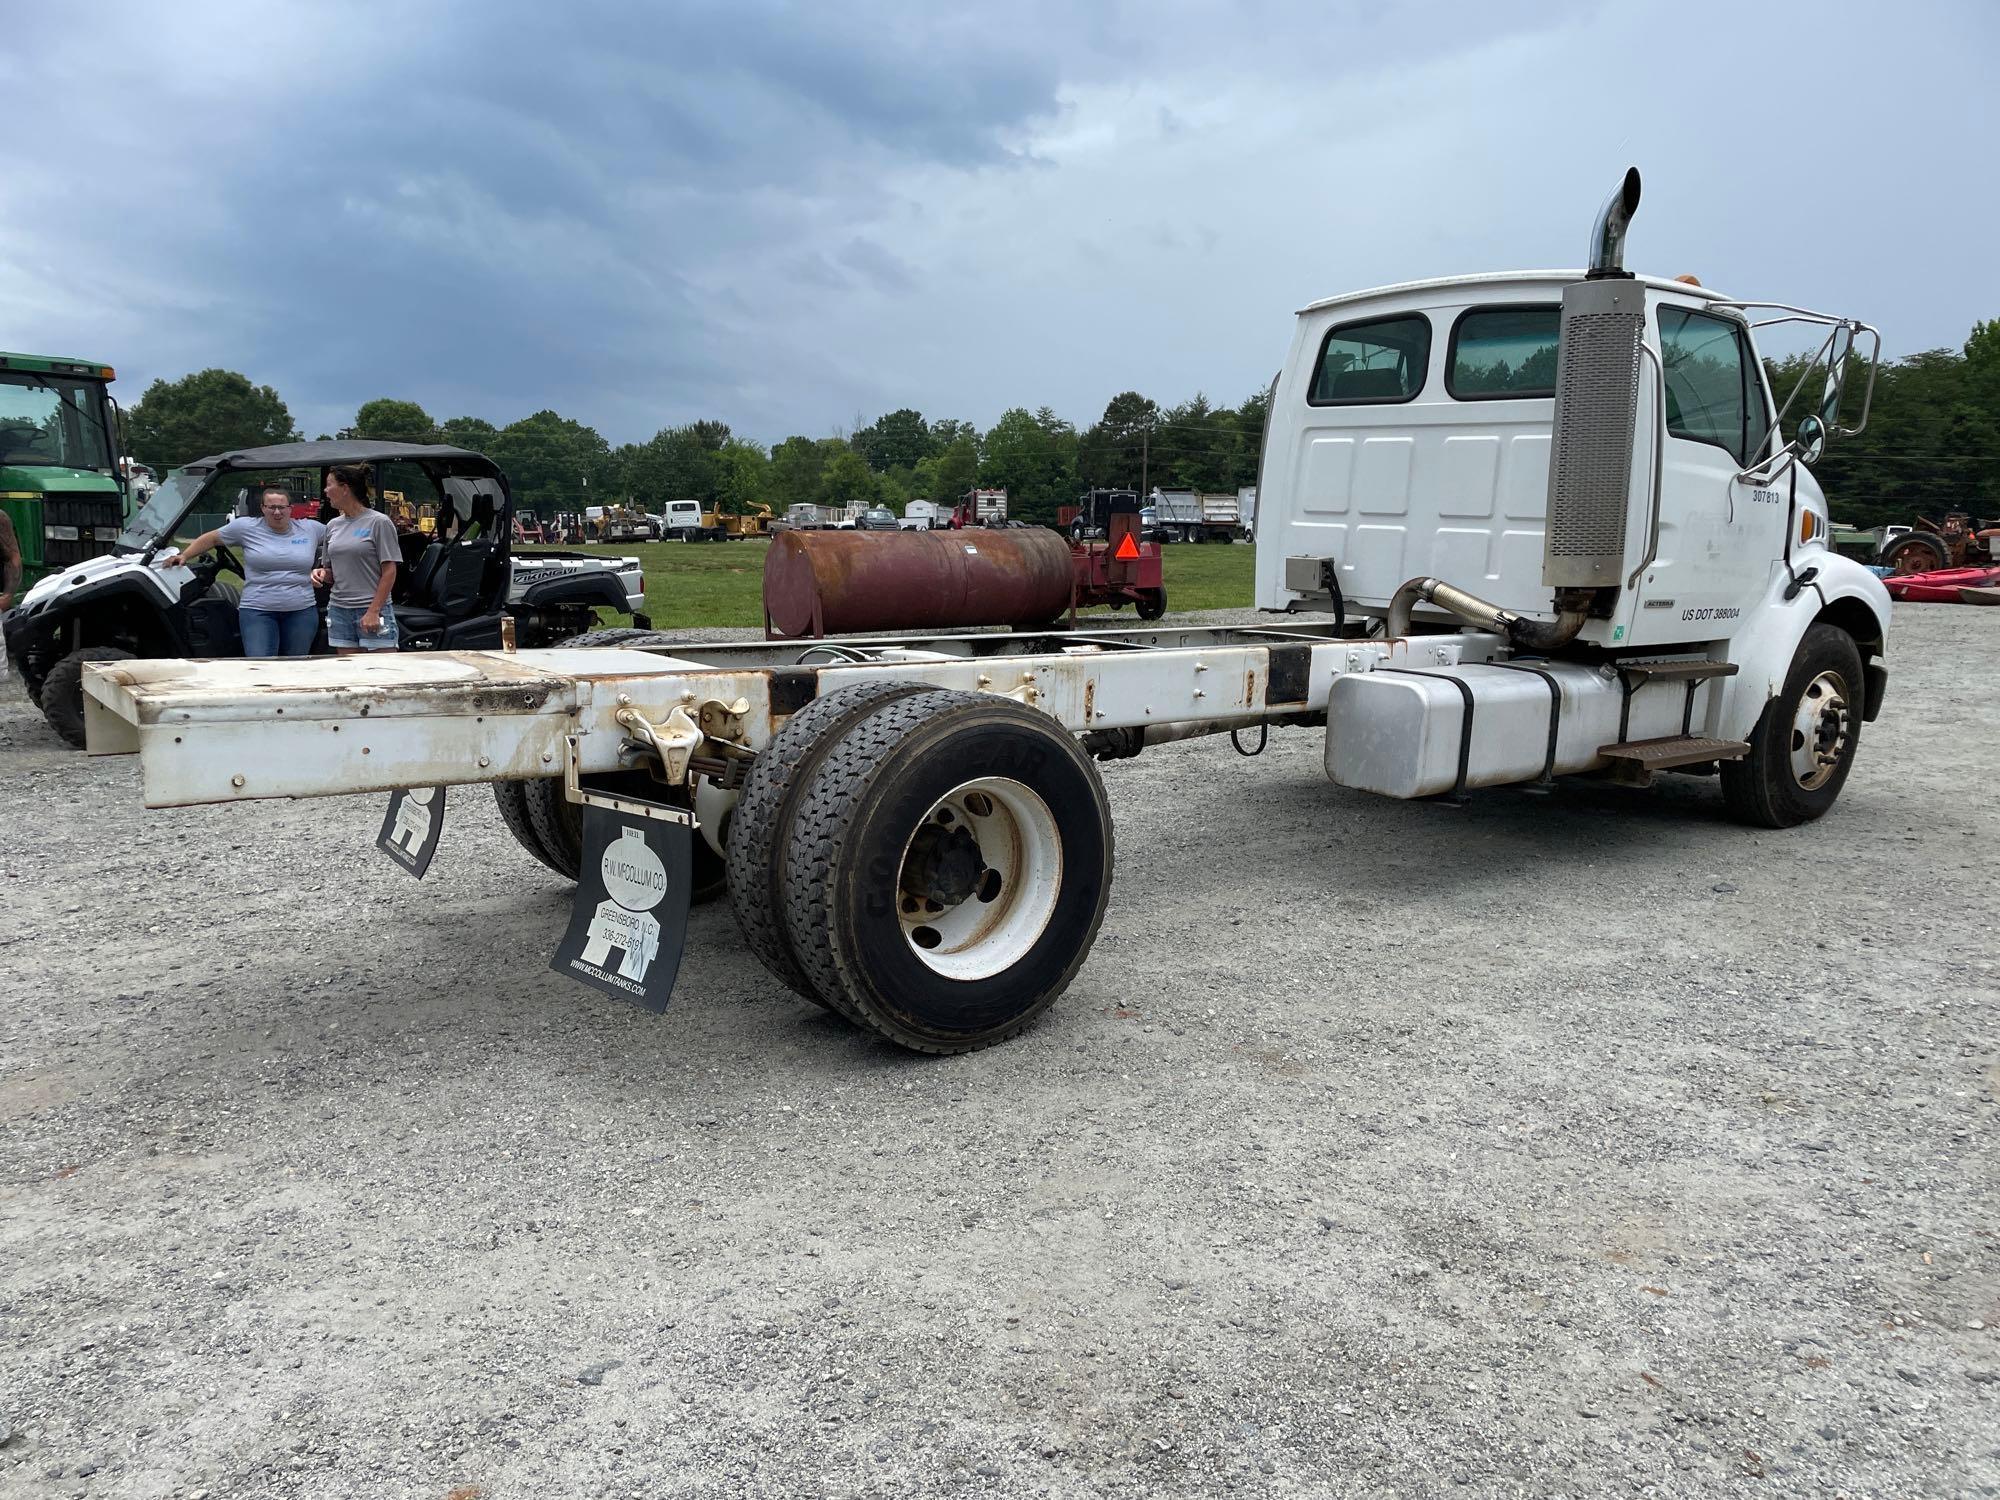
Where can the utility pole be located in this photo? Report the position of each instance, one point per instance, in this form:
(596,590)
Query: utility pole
(1145,457)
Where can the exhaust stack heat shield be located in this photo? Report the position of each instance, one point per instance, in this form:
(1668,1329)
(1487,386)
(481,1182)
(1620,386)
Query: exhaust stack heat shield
(1596,419)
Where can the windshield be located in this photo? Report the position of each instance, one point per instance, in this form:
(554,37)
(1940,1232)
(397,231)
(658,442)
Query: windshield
(52,421)
(161,512)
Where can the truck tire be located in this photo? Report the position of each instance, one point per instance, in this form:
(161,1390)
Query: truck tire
(948,870)
(1806,738)
(549,826)
(760,828)
(621,635)
(1916,552)
(556,824)
(511,797)
(1152,604)
(61,698)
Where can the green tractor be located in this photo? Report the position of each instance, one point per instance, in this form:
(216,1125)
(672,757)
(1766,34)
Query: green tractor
(59,478)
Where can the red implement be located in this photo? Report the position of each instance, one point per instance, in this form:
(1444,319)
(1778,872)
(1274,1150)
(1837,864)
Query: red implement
(1941,586)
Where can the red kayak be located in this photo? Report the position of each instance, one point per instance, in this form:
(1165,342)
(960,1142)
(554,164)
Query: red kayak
(1941,586)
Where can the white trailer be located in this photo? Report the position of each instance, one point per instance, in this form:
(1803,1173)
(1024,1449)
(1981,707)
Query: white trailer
(1520,527)
(1246,507)
(919,515)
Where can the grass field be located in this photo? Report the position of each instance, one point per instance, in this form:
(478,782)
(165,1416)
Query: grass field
(721,583)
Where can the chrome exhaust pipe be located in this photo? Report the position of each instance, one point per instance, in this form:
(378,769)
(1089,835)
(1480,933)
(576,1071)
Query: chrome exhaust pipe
(1607,235)
(1572,609)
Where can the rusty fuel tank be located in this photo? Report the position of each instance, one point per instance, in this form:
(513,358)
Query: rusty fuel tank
(849,582)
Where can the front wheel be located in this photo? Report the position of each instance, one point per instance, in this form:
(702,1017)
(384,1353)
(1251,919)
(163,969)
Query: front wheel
(1806,738)
(61,698)
(948,869)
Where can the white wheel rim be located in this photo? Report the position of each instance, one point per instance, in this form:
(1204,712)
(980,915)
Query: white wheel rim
(1012,899)
(1819,731)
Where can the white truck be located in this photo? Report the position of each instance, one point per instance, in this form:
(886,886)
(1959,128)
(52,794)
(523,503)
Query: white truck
(1514,527)
(685,521)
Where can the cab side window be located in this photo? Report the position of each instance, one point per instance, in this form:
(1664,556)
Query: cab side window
(1713,395)
(1381,360)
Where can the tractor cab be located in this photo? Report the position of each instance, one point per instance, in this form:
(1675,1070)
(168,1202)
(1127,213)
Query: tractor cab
(60,482)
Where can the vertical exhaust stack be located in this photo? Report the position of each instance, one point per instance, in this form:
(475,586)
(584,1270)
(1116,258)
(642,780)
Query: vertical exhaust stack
(1596,412)
(1607,236)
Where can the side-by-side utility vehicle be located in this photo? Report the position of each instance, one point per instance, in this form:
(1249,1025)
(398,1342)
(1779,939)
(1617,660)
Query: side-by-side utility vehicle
(457,583)
(1519,527)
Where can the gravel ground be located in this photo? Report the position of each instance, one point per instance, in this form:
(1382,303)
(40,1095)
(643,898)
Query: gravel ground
(1572,1145)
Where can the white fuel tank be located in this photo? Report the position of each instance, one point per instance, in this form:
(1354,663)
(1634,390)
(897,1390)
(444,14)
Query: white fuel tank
(1419,732)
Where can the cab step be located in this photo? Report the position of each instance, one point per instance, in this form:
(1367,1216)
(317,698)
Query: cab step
(1674,750)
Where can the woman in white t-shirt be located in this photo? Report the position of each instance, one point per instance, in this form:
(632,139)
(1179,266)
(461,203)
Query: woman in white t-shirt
(277,614)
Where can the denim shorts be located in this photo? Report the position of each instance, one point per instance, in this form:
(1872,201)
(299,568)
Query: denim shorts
(343,628)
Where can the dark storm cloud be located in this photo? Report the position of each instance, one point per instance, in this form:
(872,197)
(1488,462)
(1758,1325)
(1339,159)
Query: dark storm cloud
(787,215)
(495,207)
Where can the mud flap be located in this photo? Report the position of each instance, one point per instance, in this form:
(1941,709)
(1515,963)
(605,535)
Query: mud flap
(629,920)
(411,827)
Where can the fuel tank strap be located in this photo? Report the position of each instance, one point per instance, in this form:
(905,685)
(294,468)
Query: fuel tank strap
(1465,724)
(1555,710)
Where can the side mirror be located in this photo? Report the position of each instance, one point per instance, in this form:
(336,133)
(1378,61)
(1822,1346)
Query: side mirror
(1840,344)
(1810,439)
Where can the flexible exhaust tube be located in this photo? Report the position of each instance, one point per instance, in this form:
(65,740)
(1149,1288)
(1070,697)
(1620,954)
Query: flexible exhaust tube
(1607,235)
(1572,608)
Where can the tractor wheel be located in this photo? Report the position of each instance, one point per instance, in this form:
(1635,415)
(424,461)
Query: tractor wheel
(761,825)
(948,869)
(1805,740)
(61,698)
(1916,552)
(1153,604)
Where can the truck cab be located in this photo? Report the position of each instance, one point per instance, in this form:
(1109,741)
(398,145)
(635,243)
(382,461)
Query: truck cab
(1411,437)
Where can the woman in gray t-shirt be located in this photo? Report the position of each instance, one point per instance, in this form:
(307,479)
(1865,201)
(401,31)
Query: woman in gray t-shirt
(277,614)
(362,555)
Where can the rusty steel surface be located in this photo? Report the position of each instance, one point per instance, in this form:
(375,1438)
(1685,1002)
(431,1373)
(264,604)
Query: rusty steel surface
(836,582)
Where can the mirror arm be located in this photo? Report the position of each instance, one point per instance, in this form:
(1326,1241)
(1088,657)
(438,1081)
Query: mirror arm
(1868,392)
(1783,459)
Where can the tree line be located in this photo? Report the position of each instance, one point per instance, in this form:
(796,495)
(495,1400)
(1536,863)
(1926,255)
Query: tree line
(1932,443)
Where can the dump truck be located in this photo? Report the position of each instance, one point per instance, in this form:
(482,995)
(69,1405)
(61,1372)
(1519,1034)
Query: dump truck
(1513,528)
(1185,516)
(61,482)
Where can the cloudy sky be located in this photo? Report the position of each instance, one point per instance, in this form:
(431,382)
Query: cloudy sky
(791,217)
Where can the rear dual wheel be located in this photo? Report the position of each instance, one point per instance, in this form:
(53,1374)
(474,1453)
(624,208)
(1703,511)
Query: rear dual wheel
(550,827)
(943,870)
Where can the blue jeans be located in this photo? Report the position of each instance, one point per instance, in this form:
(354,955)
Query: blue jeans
(343,628)
(285,632)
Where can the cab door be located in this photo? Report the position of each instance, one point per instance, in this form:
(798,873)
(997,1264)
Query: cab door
(1719,536)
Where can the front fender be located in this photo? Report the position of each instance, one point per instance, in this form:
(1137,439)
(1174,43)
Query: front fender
(1843,593)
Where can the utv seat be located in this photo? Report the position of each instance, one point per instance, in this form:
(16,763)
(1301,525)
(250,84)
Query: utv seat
(450,586)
